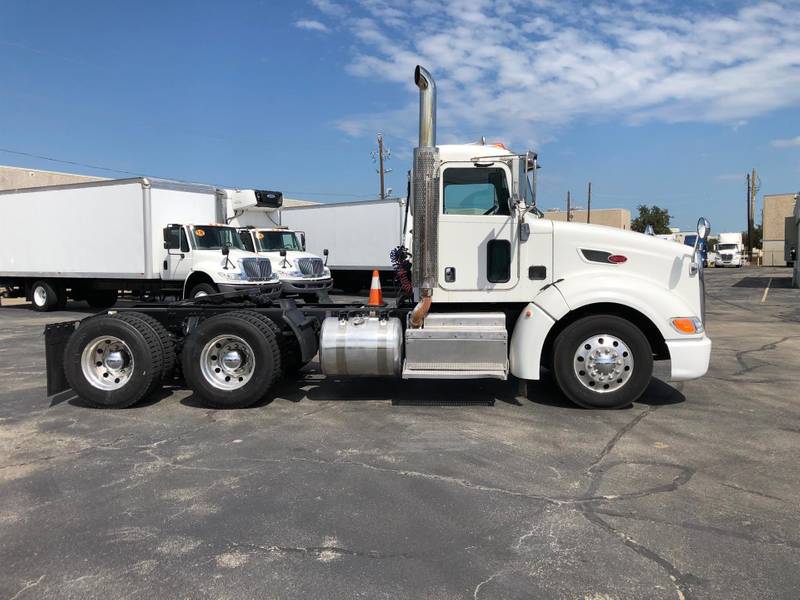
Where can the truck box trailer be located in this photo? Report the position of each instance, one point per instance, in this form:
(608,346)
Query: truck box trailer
(497,291)
(87,241)
(357,235)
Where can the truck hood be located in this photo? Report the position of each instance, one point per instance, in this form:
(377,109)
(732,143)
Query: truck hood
(291,255)
(581,250)
(216,256)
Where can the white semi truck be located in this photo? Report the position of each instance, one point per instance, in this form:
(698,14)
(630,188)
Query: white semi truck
(497,291)
(254,214)
(730,250)
(358,237)
(88,241)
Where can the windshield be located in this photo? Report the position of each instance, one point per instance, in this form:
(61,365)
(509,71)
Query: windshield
(273,241)
(214,237)
(727,247)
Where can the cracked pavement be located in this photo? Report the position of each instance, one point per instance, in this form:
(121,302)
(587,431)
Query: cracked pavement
(331,491)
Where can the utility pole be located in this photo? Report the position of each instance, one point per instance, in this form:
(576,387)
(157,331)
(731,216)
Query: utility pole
(749,222)
(753,185)
(382,155)
(589,204)
(569,210)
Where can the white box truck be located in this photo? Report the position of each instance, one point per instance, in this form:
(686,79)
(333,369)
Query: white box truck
(730,250)
(88,241)
(255,214)
(497,291)
(357,235)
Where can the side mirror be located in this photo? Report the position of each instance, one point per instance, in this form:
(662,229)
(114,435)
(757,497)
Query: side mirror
(703,228)
(283,252)
(325,254)
(649,230)
(302,240)
(172,238)
(226,250)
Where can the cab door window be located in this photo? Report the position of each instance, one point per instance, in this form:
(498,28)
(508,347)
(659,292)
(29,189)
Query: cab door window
(475,191)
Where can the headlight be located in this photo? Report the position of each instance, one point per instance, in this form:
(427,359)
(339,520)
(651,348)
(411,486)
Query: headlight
(231,275)
(326,272)
(290,273)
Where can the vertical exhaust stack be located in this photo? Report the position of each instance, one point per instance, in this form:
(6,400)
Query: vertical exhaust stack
(425,199)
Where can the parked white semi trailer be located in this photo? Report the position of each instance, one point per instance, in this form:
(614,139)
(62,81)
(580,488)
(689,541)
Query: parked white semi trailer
(497,291)
(357,235)
(255,214)
(730,250)
(88,241)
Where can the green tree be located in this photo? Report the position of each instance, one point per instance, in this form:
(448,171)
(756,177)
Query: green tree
(758,234)
(651,215)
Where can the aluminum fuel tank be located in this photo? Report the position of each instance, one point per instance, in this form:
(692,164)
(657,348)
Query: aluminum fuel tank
(362,346)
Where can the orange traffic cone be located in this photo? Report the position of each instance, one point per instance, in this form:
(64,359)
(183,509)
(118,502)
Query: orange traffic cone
(375,292)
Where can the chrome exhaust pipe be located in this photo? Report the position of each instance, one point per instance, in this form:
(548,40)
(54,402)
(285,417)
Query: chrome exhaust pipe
(425,200)
(427,107)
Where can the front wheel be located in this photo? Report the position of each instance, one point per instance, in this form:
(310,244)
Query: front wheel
(202,289)
(602,361)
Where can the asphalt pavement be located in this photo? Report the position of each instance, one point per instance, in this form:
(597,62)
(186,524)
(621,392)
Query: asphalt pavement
(385,489)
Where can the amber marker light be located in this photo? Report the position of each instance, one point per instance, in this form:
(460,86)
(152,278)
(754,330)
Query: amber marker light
(688,325)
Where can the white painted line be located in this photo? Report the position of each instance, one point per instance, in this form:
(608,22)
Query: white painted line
(766,290)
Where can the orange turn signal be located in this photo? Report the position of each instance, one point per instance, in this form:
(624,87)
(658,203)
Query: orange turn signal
(687,325)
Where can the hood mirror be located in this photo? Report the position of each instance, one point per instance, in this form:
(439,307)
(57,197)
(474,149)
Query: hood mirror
(703,228)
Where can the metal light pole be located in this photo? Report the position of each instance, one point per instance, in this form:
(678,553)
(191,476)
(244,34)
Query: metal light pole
(569,209)
(589,204)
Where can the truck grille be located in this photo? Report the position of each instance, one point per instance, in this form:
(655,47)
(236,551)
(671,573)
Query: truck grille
(257,269)
(311,267)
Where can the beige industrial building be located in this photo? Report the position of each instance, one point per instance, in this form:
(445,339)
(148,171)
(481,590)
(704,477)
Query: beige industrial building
(796,277)
(780,231)
(610,217)
(15,178)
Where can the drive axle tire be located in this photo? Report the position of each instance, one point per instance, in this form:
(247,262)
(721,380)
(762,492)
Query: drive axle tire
(602,361)
(231,360)
(46,297)
(113,361)
(102,299)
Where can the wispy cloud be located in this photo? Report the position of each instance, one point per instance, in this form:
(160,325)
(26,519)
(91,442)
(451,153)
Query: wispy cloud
(785,143)
(523,68)
(311,25)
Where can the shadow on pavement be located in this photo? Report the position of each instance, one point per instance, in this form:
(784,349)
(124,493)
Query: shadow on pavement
(762,282)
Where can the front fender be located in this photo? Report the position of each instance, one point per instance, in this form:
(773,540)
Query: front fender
(656,303)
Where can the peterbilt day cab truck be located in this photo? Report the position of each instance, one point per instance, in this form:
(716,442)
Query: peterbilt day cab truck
(88,241)
(495,291)
(254,212)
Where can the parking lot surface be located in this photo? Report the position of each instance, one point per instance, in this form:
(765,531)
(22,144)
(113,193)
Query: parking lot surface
(378,489)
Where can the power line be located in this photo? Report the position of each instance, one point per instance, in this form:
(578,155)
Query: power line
(66,162)
(139,174)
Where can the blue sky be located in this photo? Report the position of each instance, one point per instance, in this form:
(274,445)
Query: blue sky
(654,103)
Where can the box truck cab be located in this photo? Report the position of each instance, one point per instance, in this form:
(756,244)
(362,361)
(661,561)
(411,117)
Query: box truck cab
(209,259)
(730,250)
(300,272)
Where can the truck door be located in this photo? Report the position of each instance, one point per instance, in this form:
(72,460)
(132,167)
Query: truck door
(178,261)
(477,230)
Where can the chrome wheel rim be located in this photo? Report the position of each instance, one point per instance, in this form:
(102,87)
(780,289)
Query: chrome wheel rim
(603,363)
(107,363)
(227,362)
(40,296)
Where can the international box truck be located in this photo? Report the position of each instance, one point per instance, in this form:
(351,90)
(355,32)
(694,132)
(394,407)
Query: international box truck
(358,236)
(495,291)
(89,241)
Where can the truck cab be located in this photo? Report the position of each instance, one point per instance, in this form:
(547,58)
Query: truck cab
(729,249)
(300,272)
(211,258)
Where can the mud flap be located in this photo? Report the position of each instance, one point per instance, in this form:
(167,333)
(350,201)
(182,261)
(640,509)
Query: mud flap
(303,328)
(56,336)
